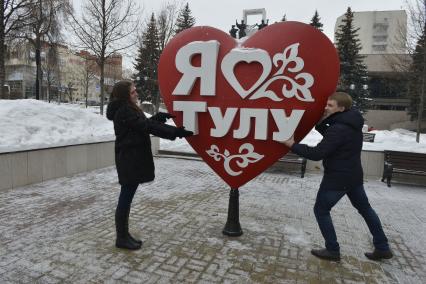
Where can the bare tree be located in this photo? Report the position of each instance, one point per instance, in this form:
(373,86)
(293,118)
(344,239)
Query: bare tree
(416,67)
(13,17)
(104,28)
(166,22)
(411,38)
(43,25)
(417,16)
(50,67)
(147,58)
(406,36)
(89,74)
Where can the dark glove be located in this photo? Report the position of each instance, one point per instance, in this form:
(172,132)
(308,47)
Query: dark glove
(162,116)
(181,132)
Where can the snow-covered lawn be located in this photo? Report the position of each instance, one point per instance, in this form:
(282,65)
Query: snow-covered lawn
(32,124)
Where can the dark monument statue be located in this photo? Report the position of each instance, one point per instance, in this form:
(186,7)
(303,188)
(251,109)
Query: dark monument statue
(233,31)
(262,24)
(242,29)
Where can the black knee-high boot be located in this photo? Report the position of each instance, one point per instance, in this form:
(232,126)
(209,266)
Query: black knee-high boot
(122,227)
(130,236)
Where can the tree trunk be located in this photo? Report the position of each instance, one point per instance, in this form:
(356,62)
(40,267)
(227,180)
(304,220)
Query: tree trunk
(38,69)
(2,51)
(38,57)
(48,88)
(420,116)
(87,90)
(422,93)
(422,103)
(157,101)
(102,65)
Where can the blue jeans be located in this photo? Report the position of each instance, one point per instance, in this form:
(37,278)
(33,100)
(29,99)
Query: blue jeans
(326,199)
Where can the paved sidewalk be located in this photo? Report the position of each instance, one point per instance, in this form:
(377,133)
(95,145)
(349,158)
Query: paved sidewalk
(62,231)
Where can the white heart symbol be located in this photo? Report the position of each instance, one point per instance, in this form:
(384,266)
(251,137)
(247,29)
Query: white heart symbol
(248,55)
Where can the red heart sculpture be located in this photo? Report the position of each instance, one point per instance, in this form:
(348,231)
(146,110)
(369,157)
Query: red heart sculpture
(241,98)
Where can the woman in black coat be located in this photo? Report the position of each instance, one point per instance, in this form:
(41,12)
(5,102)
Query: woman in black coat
(133,156)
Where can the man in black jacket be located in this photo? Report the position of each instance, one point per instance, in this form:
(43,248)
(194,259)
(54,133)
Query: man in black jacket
(340,150)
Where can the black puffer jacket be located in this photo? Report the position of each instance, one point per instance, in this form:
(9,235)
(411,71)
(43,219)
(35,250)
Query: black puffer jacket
(340,150)
(133,155)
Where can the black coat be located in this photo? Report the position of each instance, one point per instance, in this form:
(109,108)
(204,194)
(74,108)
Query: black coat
(340,150)
(133,155)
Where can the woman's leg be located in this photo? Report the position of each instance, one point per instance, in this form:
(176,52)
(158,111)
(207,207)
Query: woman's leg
(122,218)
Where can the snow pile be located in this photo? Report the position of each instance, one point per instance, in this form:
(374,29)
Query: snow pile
(32,124)
(397,140)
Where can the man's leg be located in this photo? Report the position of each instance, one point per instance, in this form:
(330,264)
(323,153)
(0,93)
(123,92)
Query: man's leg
(359,200)
(325,201)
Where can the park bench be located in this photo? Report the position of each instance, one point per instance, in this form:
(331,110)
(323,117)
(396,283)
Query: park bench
(290,158)
(293,158)
(403,163)
(171,153)
(368,137)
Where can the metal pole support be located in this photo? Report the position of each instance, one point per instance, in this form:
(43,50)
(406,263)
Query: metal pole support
(233,227)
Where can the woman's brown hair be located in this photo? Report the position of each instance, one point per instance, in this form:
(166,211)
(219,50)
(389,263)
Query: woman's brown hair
(121,92)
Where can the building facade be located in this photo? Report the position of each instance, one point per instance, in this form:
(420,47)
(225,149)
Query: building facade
(380,32)
(382,37)
(113,72)
(20,71)
(67,75)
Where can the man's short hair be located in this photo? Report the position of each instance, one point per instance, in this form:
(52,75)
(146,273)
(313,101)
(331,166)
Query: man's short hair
(343,99)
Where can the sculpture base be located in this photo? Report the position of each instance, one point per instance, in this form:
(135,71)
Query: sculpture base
(233,227)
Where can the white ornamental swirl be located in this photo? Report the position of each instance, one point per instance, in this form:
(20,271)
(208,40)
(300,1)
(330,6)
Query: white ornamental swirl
(245,157)
(289,55)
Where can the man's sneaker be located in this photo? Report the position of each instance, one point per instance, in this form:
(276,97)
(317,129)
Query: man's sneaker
(326,254)
(379,254)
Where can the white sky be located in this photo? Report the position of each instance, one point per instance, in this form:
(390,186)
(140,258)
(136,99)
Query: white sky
(222,14)
(31,124)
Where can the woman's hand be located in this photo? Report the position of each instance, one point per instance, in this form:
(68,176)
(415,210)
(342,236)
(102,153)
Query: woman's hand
(182,132)
(162,116)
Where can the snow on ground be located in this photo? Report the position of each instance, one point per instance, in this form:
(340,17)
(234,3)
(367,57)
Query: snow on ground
(65,232)
(398,140)
(32,124)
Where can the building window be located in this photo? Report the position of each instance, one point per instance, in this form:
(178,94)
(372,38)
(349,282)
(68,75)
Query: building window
(379,47)
(388,107)
(380,27)
(384,87)
(380,38)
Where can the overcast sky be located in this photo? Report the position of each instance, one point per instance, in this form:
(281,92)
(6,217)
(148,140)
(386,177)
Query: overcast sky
(222,14)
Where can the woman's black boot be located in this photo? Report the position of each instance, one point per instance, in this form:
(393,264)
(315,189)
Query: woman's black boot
(127,226)
(123,238)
